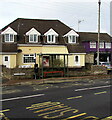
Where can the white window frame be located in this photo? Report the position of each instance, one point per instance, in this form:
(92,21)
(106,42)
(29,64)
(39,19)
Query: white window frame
(28,57)
(101,45)
(33,40)
(52,35)
(52,39)
(9,37)
(71,39)
(107,45)
(92,44)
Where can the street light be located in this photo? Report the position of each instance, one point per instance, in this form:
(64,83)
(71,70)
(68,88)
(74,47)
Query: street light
(99,3)
(79,21)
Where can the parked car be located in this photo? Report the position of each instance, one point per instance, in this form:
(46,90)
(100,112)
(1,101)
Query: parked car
(107,65)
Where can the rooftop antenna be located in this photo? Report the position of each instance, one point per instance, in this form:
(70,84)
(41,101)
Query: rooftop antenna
(79,21)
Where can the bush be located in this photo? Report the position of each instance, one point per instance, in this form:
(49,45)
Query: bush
(58,63)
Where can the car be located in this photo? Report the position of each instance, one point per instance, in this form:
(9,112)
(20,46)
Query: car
(107,65)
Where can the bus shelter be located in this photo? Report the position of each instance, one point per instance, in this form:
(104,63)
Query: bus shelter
(51,64)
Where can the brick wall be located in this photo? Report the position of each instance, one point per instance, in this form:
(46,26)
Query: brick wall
(21,73)
(28,73)
(89,58)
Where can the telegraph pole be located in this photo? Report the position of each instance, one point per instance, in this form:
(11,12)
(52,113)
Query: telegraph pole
(99,4)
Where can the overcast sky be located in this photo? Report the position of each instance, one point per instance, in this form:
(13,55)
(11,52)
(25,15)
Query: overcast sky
(67,11)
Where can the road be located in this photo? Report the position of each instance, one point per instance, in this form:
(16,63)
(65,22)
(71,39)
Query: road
(62,103)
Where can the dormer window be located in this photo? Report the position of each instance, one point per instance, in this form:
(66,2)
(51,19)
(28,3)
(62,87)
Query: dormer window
(33,38)
(33,35)
(51,39)
(71,39)
(9,34)
(51,36)
(9,38)
(71,36)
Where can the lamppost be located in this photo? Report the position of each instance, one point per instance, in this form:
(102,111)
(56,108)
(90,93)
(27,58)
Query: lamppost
(79,21)
(99,4)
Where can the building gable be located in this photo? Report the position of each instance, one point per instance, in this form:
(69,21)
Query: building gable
(71,32)
(51,32)
(32,31)
(9,30)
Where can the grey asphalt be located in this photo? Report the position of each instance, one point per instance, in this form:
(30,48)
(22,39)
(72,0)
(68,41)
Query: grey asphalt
(89,103)
(53,83)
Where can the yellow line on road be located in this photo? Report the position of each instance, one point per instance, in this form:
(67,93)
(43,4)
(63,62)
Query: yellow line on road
(5,110)
(51,108)
(60,114)
(44,106)
(55,111)
(89,117)
(100,93)
(75,116)
(108,118)
(39,104)
(74,97)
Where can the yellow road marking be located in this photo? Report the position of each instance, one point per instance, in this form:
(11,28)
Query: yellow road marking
(74,97)
(75,116)
(55,111)
(5,110)
(95,118)
(42,105)
(45,106)
(2,116)
(108,118)
(61,114)
(51,108)
(100,93)
(39,104)
(48,109)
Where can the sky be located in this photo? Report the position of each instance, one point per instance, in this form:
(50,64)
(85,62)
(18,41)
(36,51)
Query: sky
(67,11)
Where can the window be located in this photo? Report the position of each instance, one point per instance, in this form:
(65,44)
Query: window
(6,58)
(50,39)
(76,58)
(9,38)
(92,44)
(107,45)
(101,44)
(33,38)
(29,58)
(71,39)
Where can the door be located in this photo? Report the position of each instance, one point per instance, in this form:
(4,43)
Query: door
(6,61)
(77,60)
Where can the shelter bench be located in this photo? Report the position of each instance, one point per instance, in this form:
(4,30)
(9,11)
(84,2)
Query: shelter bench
(45,73)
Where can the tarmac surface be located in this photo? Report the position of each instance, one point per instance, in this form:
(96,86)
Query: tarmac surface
(13,86)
